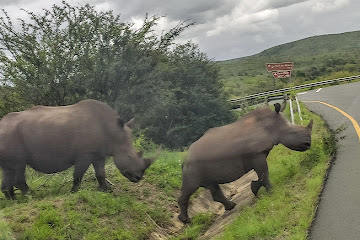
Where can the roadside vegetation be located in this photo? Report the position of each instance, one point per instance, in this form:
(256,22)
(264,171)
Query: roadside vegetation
(69,53)
(131,211)
(134,211)
(175,92)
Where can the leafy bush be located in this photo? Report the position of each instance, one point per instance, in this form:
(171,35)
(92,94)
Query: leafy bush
(66,54)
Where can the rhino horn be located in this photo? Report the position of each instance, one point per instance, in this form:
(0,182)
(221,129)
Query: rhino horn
(130,123)
(283,106)
(149,161)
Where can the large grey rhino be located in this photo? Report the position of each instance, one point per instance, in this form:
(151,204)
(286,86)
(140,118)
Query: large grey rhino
(52,139)
(226,153)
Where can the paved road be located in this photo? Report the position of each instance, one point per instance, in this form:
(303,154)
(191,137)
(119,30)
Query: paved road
(338,215)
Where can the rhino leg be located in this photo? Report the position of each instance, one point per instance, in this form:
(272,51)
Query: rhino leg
(80,169)
(255,186)
(218,196)
(7,184)
(20,181)
(263,178)
(186,191)
(99,167)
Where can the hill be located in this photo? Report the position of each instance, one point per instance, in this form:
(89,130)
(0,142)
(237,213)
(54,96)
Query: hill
(315,58)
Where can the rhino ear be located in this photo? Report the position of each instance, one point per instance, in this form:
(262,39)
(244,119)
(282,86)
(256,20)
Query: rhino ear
(277,107)
(310,125)
(283,106)
(130,123)
(148,162)
(121,122)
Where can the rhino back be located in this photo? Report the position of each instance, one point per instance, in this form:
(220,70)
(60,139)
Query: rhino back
(231,141)
(51,139)
(231,148)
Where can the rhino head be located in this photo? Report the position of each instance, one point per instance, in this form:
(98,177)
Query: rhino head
(296,138)
(130,162)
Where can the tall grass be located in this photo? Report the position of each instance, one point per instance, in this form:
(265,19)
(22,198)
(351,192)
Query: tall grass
(5,230)
(133,211)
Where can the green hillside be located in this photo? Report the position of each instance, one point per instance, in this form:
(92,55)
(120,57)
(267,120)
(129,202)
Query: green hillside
(315,58)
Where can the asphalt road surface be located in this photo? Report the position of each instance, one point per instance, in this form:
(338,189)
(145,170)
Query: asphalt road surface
(338,214)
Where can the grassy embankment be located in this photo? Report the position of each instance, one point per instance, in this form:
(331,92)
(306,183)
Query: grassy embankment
(133,211)
(129,212)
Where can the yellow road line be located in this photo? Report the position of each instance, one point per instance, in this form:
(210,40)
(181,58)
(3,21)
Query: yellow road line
(353,121)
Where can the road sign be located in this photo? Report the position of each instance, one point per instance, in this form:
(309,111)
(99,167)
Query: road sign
(280,66)
(282,74)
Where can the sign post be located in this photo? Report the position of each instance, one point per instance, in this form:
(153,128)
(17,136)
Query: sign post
(280,70)
(282,74)
(280,66)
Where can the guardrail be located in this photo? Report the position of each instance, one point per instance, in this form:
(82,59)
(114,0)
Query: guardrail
(275,93)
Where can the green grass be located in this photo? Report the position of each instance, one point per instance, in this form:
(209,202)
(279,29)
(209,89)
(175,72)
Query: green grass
(84,215)
(287,212)
(5,230)
(133,211)
(200,223)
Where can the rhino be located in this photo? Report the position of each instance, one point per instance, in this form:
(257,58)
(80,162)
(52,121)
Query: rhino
(52,139)
(224,154)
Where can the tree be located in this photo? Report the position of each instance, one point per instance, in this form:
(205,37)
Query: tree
(68,53)
(191,101)
(10,101)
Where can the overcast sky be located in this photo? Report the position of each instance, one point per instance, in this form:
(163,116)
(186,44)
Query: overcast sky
(226,29)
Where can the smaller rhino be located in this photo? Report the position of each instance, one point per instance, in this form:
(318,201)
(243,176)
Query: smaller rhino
(226,153)
(52,139)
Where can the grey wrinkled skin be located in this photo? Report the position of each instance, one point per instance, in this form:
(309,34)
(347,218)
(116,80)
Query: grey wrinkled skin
(226,153)
(52,139)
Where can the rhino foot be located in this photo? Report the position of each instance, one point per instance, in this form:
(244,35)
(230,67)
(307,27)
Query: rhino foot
(255,186)
(10,195)
(184,219)
(230,206)
(105,188)
(74,189)
(25,191)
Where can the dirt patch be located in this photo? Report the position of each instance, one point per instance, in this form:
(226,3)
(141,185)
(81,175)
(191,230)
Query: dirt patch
(238,191)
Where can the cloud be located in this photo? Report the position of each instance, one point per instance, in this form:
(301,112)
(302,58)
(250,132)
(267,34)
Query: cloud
(7,2)
(197,11)
(284,3)
(252,17)
(241,22)
(328,5)
(225,29)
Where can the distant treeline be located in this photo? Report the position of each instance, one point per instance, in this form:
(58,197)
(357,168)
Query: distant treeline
(66,54)
(315,59)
